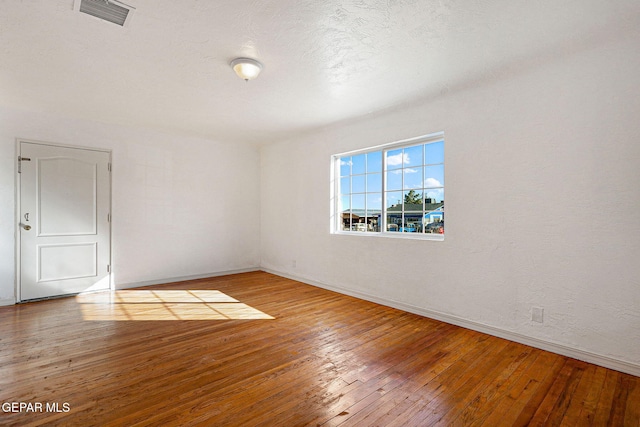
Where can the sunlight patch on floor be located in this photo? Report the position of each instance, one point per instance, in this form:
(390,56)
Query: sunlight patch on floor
(126,305)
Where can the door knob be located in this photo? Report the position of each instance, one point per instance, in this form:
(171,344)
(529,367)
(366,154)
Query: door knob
(26,227)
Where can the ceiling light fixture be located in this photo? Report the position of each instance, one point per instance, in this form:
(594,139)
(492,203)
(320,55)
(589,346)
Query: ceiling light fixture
(247,69)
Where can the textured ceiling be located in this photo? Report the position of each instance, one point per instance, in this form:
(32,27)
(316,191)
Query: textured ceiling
(325,61)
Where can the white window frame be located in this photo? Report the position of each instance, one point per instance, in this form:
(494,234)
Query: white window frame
(336,214)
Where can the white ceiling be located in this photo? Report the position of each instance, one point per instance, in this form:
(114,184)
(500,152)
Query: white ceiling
(325,61)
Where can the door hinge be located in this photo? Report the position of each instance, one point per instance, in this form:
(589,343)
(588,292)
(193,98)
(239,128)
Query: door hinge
(109,167)
(108,217)
(108,268)
(20,160)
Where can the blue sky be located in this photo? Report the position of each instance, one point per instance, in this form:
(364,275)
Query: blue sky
(421,167)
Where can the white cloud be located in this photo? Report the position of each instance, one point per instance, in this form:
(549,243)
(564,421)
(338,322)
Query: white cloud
(432,182)
(397,159)
(434,193)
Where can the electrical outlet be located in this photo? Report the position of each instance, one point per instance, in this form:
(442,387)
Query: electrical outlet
(537,314)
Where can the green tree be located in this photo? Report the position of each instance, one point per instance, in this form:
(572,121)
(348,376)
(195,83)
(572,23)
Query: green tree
(412,198)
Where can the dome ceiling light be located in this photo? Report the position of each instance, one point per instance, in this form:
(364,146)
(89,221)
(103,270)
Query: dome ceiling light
(246,68)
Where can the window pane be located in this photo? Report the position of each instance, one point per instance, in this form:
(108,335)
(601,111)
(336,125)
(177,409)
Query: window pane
(434,223)
(345,212)
(345,204)
(394,201)
(413,156)
(373,220)
(412,223)
(345,185)
(434,176)
(374,182)
(412,200)
(345,166)
(434,195)
(357,202)
(434,153)
(357,184)
(358,165)
(394,221)
(412,178)
(358,212)
(394,159)
(346,221)
(394,180)
(374,202)
(374,161)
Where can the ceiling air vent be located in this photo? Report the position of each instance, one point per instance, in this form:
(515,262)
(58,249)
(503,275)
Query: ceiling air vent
(107,10)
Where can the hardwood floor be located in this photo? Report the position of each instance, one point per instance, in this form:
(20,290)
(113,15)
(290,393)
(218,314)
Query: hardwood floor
(257,349)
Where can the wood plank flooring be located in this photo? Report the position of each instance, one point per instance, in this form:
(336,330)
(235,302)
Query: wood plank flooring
(256,349)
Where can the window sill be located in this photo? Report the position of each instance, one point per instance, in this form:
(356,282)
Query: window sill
(392,235)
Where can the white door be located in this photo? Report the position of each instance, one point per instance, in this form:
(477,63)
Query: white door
(64,225)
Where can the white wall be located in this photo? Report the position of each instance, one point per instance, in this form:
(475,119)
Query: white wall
(182,206)
(542,200)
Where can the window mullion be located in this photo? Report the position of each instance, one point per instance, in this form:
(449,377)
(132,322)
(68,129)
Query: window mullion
(423,197)
(339,221)
(383,211)
(402,220)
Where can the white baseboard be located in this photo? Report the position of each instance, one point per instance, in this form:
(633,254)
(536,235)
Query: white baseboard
(7,301)
(586,356)
(182,278)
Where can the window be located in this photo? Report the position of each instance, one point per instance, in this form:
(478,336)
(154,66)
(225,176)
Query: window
(396,189)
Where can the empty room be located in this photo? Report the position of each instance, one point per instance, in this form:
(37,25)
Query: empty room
(232,213)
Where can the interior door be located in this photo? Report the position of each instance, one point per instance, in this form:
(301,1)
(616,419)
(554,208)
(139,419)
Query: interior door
(65,239)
